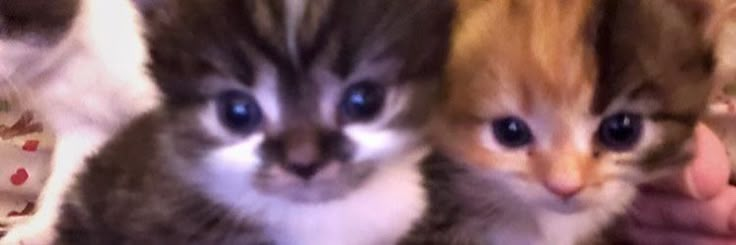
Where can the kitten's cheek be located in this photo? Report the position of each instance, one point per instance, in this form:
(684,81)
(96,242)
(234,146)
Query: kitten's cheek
(372,144)
(241,156)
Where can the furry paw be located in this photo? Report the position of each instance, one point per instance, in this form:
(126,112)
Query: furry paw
(33,232)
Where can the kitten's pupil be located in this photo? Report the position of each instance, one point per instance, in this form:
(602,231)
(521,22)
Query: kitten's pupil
(239,111)
(512,132)
(362,101)
(621,131)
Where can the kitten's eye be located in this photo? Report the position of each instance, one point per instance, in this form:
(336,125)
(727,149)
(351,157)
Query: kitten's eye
(362,101)
(621,131)
(239,111)
(512,132)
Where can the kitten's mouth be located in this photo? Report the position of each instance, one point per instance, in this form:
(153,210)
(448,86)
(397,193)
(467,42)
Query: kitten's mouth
(334,181)
(559,205)
(564,206)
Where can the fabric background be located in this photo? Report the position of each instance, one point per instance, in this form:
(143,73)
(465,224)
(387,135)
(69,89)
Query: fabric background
(25,150)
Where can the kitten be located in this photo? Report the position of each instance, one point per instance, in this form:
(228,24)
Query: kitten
(80,65)
(555,111)
(284,122)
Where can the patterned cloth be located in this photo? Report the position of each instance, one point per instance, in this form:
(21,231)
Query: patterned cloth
(25,150)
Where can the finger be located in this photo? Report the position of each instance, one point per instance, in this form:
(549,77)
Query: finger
(715,216)
(653,236)
(708,173)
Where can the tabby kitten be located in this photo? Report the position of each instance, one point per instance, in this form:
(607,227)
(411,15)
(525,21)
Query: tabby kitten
(556,110)
(284,122)
(80,65)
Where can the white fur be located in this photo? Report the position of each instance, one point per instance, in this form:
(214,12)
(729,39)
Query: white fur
(530,223)
(266,93)
(94,82)
(559,228)
(379,212)
(241,156)
(374,142)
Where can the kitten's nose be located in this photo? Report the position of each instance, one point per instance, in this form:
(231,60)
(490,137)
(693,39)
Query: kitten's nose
(302,153)
(565,189)
(304,170)
(565,176)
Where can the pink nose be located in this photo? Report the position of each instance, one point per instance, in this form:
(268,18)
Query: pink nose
(564,191)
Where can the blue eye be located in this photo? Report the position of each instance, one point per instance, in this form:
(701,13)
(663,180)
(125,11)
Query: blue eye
(512,132)
(620,132)
(239,111)
(362,101)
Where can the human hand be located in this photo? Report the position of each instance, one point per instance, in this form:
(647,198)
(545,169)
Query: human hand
(695,206)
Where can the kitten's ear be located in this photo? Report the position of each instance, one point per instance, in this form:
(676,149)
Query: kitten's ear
(724,34)
(716,18)
(672,36)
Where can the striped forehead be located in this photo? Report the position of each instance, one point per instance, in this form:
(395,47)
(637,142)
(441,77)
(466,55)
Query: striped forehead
(304,45)
(531,58)
(286,30)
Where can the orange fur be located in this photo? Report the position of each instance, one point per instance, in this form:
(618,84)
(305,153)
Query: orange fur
(572,72)
(537,60)
(531,57)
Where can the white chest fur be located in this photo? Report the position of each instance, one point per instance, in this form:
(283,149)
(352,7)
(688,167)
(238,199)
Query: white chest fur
(378,213)
(551,229)
(527,225)
(571,228)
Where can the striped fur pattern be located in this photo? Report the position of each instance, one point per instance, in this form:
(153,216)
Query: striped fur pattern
(309,172)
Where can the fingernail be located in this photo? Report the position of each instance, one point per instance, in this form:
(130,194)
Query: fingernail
(690,184)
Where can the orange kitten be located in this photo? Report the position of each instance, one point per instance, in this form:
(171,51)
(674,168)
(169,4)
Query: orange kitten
(555,110)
